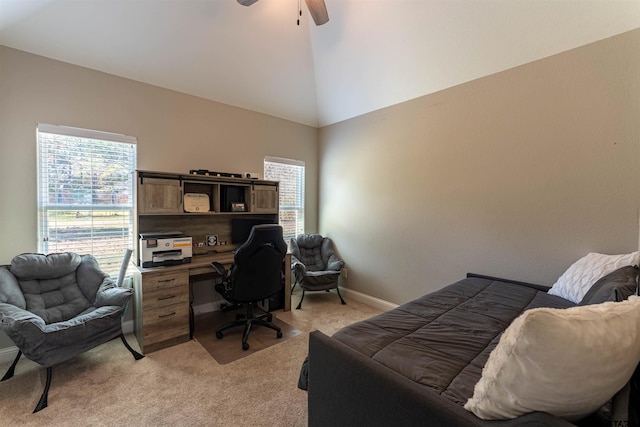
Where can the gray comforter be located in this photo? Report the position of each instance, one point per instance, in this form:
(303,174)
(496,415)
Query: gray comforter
(418,364)
(442,340)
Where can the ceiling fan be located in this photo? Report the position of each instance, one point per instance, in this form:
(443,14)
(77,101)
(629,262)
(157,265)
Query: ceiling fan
(317,9)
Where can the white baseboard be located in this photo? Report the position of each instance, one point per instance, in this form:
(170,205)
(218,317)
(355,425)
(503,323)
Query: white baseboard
(7,354)
(369,300)
(358,296)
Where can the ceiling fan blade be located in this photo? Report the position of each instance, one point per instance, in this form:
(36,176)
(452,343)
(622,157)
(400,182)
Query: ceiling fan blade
(247,2)
(318,11)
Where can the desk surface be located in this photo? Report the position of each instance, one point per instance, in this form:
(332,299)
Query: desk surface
(201,264)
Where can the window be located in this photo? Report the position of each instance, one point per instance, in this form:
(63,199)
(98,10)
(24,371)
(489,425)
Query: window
(290,173)
(85,193)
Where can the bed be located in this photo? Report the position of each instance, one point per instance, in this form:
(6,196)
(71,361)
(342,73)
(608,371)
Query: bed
(427,362)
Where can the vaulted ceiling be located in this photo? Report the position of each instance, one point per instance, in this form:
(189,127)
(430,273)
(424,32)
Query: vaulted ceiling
(371,54)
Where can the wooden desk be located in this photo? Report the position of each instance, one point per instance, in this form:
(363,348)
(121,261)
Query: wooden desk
(162,299)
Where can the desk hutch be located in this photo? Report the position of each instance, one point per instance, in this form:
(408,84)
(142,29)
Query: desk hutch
(163,314)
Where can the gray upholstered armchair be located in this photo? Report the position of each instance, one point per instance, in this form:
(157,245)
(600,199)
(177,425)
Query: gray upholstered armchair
(314,264)
(55,307)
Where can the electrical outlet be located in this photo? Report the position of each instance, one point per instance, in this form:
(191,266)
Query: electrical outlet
(344,272)
(212,239)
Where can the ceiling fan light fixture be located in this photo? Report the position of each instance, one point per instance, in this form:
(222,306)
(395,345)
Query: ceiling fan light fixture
(317,9)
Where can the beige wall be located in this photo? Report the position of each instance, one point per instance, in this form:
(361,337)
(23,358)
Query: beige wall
(176,132)
(514,175)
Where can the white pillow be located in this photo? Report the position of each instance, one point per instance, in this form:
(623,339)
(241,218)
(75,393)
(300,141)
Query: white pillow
(582,274)
(567,362)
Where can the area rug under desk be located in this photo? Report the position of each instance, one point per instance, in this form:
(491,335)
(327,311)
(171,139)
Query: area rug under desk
(229,347)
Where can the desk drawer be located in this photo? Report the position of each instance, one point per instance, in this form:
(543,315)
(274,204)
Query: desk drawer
(165,297)
(156,281)
(164,323)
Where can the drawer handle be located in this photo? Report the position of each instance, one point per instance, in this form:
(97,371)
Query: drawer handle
(167,297)
(166,280)
(167,315)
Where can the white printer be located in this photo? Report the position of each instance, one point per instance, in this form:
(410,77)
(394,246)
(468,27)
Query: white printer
(165,248)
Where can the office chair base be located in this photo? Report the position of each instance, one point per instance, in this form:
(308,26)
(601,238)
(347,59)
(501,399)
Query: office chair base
(248,321)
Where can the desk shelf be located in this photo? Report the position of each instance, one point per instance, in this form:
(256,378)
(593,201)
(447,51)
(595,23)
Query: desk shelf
(161,206)
(164,193)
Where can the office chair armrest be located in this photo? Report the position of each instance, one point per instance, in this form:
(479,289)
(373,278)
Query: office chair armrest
(219,268)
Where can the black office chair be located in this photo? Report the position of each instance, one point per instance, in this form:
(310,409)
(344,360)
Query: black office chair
(255,275)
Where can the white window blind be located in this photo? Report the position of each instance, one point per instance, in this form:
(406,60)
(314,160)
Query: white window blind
(85,193)
(290,173)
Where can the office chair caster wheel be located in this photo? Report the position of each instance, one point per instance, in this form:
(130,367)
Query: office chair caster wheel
(279,334)
(245,346)
(218,335)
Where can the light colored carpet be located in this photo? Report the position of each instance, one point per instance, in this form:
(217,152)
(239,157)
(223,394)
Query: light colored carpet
(181,385)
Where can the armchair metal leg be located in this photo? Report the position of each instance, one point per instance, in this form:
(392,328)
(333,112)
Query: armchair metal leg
(136,355)
(300,303)
(43,399)
(341,300)
(12,368)
(42,403)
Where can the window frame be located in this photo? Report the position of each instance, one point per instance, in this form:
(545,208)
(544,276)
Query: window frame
(300,195)
(108,249)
